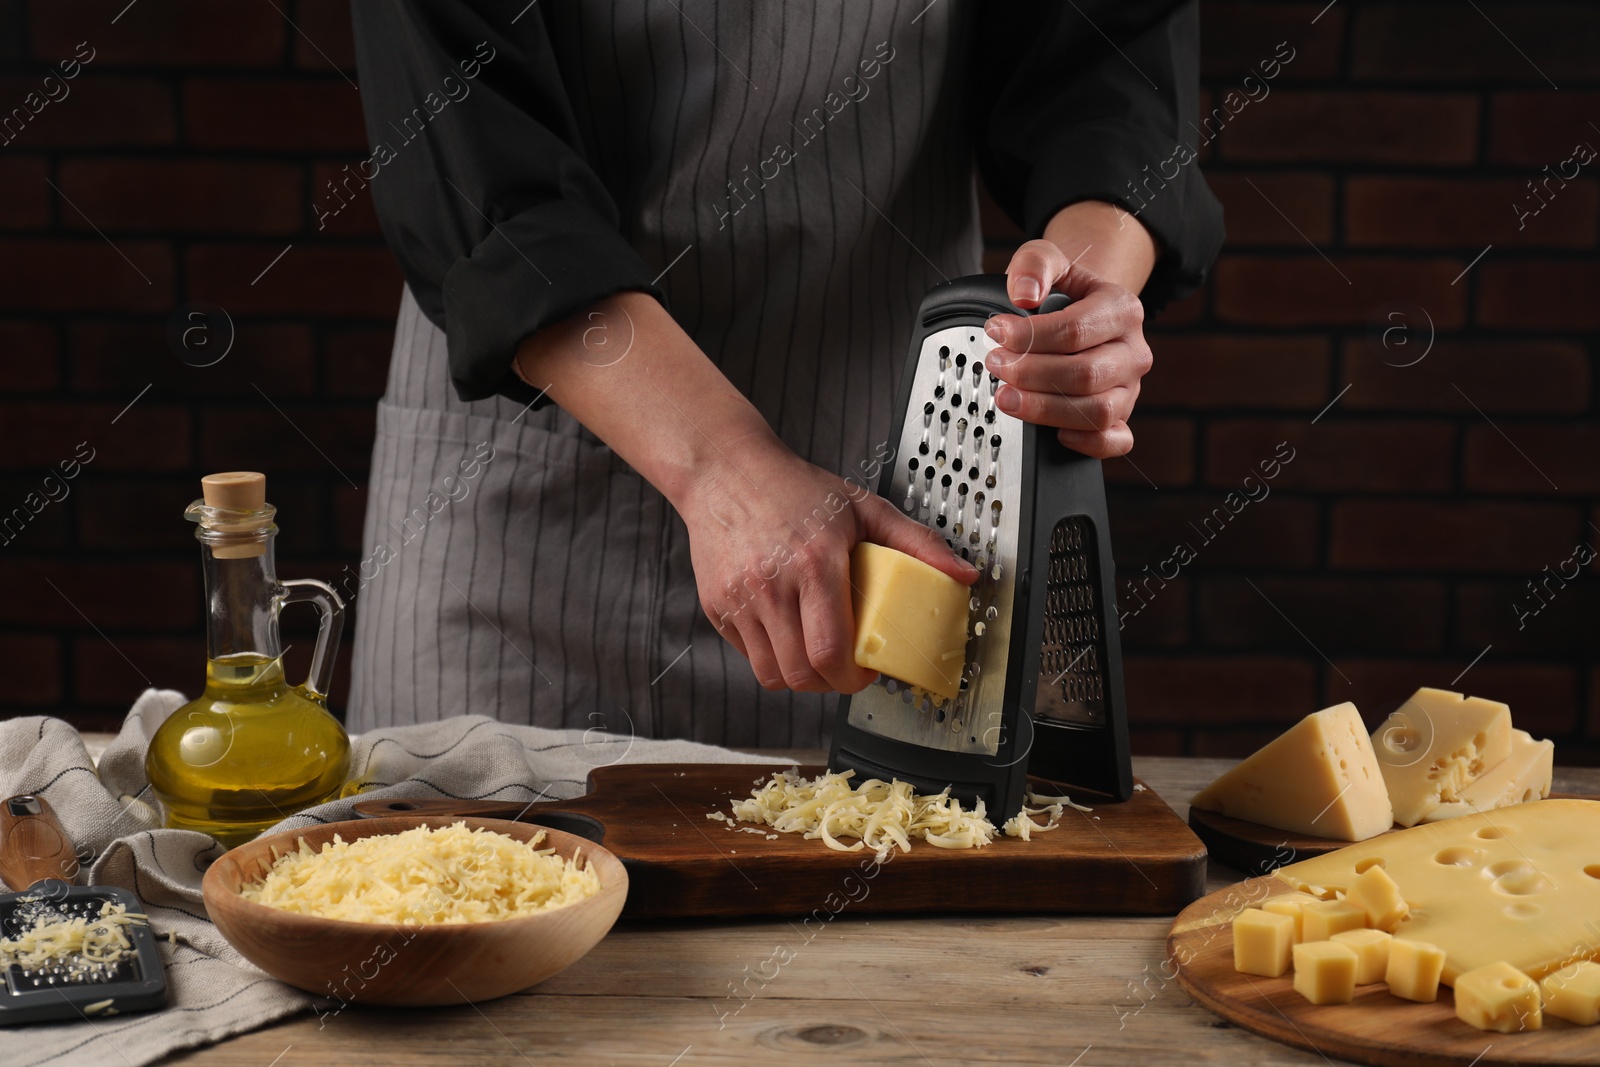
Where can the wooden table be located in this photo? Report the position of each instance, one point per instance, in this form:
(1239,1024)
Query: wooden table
(939,990)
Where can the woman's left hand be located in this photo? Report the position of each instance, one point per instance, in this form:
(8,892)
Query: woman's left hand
(1076,369)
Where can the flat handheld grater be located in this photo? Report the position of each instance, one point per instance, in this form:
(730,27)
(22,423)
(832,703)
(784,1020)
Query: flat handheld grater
(1041,693)
(37,858)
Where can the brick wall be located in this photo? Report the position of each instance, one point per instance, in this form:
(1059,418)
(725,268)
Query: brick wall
(1362,181)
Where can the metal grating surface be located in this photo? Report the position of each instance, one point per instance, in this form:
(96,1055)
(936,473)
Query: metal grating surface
(21,915)
(1072,651)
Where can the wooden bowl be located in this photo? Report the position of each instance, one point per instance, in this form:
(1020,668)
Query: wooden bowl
(388,963)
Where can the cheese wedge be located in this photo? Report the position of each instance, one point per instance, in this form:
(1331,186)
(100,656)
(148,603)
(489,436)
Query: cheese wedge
(1520,884)
(1319,778)
(911,619)
(1520,777)
(1435,745)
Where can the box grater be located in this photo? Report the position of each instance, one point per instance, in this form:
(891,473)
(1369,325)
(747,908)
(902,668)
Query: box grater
(1041,692)
(37,858)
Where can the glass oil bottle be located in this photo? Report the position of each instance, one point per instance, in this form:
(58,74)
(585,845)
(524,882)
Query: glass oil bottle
(252,749)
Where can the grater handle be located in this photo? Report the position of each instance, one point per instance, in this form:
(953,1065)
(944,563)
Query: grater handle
(33,846)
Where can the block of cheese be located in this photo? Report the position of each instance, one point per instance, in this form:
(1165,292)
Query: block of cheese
(1319,778)
(1498,997)
(911,619)
(1375,893)
(1520,777)
(1521,884)
(1573,993)
(1414,970)
(1321,919)
(1372,953)
(1435,745)
(1325,972)
(1261,942)
(1292,905)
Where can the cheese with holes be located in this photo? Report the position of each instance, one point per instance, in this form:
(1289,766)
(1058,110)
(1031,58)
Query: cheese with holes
(1325,972)
(1319,778)
(1372,952)
(1414,970)
(1375,893)
(911,619)
(1573,993)
(1520,884)
(1435,745)
(1519,778)
(1498,997)
(1262,941)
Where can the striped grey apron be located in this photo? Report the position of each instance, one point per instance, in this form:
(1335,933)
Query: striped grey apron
(513,565)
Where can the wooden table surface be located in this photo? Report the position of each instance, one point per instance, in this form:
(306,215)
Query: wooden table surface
(938,989)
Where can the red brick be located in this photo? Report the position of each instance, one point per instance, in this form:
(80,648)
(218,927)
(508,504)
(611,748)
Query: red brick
(98,111)
(1528,375)
(1453,42)
(123,595)
(1543,697)
(1162,621)
(170,33)
(1541,295)
(1502,458)
(309,279)
(1468,213)
(1469,536)
(346,210)
(1148,530)
(31,664)
(294,116)
(1373,456)
(84,275)
(101,676)
(32,517)
(1266,208)
(28,361)
(357,363)
(1195,371)
(1191,309)
(1240,36)
(185,196)
(1303,126)
(1218,690)
(325,38)
(1323,616)
(1533,616)
(263,436)
(1541,128)
(349,516)
(148,436)
(24,193)
(1155,742)
(1307,290)
(1163,454)
(117,356)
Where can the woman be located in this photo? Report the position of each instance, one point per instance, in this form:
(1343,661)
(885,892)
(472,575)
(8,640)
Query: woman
(789,179)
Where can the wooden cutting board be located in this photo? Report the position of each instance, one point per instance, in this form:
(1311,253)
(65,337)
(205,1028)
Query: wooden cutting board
(1135,858)
(1375,1028)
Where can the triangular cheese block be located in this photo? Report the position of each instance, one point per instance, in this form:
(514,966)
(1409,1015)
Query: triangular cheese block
(1520,777)
(1320,778)
(1435,745)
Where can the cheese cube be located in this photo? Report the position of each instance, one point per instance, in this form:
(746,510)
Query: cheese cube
(1321,919)
(1520,777)
(1320,777)
(1325,972)
(1375,893)
(1414,969)
(911,619)
(1261,942)
(1573,993)
(1498,997)
(1292,905)
(1372,953)
(1435,745)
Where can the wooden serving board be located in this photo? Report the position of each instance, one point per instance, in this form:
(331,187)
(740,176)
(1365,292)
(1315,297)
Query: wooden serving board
(1135,858)
(1375,1028)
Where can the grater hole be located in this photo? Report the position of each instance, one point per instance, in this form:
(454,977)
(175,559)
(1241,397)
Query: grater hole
(938,393)
(945,481)
(972,472)
(913,463)
(940,521)
(956,464)
(978,628)
(979,497)
(962,488)
(928,471)
(988,416)
(955,400)
(938,459)
(927,409)
(961,359)
(972,538)
(989,481)
(995,507)
(972,409)
(923,448)
(944,417)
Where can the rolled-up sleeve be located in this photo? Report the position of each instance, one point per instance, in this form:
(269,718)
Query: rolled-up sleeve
(480,182)
(1096,101)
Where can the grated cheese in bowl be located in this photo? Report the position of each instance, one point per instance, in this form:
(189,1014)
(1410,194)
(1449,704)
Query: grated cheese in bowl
(424,876)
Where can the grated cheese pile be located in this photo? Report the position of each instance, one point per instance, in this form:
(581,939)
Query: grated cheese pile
(881,815)
(81,943)
(424,876)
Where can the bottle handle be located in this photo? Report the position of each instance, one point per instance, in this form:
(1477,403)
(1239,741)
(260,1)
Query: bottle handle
(329,627)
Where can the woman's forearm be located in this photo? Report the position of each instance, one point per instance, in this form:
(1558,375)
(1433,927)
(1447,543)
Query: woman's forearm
(1107,240)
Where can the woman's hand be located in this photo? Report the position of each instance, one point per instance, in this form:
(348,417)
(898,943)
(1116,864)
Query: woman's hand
(770,537)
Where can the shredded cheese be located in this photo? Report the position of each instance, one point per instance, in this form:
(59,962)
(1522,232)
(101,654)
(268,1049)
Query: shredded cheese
(424,876)
(86,946)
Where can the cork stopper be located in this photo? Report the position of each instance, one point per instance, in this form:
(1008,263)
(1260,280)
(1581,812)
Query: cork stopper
(243,492)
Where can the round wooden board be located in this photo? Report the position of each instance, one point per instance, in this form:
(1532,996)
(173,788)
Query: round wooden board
(1375,1028)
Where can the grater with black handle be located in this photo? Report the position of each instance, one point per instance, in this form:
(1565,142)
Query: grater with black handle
(1041,692)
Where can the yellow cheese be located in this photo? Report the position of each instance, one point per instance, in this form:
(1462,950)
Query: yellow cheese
(1325,972)
(1498,997)
(1520,777)
(1293,906)
(911,619)
(78,946)
(1262,941)
(1375,893)
(1372,953)
(1435,745)
(1321,919)
(1319,778)
(1573,993)
(1414,970)
(1521,884)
